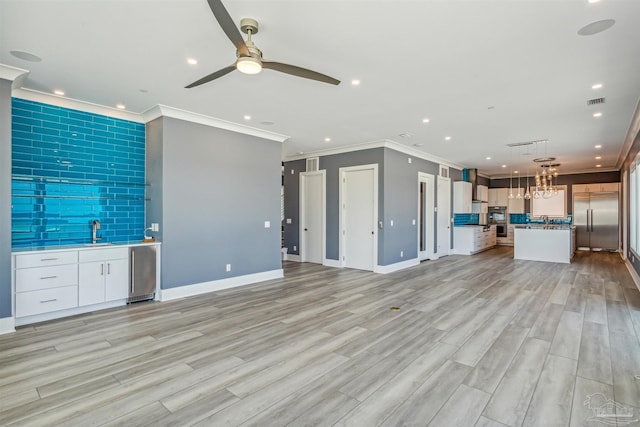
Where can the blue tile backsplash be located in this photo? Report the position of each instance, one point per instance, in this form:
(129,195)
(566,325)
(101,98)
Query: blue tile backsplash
(465,219)
(70,167)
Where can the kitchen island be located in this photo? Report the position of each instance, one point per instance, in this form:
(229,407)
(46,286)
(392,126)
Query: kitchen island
(550,243)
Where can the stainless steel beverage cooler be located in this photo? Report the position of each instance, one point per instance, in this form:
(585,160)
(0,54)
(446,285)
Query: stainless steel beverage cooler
(142,273)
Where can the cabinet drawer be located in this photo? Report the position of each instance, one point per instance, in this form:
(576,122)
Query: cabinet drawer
(32,279)
(46,259)
(103,254)
(46,300)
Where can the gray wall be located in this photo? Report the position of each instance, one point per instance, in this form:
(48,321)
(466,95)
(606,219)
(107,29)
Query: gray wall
(291,204)
(332,165)
(217,189)
(397,200)
(5,196)
(631,157)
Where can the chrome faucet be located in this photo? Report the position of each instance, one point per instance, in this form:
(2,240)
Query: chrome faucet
(95,227)
(546,219)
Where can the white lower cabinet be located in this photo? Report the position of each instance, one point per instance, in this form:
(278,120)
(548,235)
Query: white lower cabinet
(45,282)
(103,275)
(469,240)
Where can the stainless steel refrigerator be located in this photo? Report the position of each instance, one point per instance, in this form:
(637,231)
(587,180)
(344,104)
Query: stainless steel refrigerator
(596,218)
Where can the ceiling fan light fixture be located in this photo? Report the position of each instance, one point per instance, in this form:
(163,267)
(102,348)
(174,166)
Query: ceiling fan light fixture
(249,65)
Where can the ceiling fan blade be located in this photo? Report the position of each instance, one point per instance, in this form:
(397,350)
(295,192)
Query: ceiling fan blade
(300,72)
(212,76)
(228,26)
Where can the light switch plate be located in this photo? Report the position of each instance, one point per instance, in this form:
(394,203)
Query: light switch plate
(267,224)
(288,220)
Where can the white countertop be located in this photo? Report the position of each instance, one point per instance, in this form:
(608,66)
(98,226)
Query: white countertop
(79,247)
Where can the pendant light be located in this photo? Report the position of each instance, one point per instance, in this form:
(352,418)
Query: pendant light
(511,174)
(527,194)
(519,195)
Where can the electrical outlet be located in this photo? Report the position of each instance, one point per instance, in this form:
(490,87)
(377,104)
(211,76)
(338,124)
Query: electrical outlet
(413,222)
(401,254)
(391,223)
(228,267)
(295,248)
(267,224)
(409,159)
(288,220)
(155,226)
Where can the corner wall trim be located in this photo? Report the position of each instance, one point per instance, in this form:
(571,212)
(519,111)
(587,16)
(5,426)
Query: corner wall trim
(7,325)
(386,269)
(633,273)
(218,285)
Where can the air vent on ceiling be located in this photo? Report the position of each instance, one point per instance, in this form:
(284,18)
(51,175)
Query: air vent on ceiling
(595,101)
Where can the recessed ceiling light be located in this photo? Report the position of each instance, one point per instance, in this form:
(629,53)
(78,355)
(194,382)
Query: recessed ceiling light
(515,171)
(598,146)
(405,135)
(192,61)
(247,117)
(300,152)
(355,82)
(596,27)
(267,123)
(598,114)
(598,157)
(598,166)
(447,138)
(593,1)
(417,145)
(327,139)
(504,166)
(143,91)
(121,106)
(596,86)
(425,120)
(58,92)
(488,158)
(25,56)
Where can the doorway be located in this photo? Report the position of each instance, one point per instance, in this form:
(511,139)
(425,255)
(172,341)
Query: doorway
(444,216)
(426,227)
(359,216)
(312,216)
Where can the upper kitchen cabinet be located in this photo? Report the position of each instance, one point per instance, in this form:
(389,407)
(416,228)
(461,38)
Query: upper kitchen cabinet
(593,188)
(482,193)
(516,206)
(462,197)
(498,196)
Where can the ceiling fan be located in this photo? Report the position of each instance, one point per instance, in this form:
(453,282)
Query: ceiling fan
(249,56)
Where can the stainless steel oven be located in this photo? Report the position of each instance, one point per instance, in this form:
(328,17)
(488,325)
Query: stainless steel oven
(498,216)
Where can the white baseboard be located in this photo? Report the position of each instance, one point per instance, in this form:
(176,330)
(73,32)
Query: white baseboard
(331,263)
(292,257)
(218,285)
(633,273)
(386,269)
(7,325)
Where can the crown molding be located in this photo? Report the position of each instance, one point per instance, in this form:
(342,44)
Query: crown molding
(76,104)
(632,133)
(176,113)
(7,72)
(385,143)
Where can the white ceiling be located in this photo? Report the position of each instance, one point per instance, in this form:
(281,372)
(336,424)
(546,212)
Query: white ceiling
(485,72)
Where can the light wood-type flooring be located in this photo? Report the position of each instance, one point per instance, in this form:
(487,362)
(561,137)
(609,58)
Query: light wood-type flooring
(478,340)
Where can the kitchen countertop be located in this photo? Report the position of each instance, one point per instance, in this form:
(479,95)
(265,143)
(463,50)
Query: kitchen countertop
(545,227)
(80,246)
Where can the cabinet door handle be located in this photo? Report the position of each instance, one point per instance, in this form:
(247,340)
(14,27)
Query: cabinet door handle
(48,277)
(102,269)
(48,300)
(48,259)
(133,267)
(108,268)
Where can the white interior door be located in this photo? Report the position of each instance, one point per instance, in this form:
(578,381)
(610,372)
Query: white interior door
(444,216)
(359,206)
(426,225)
(312,222)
